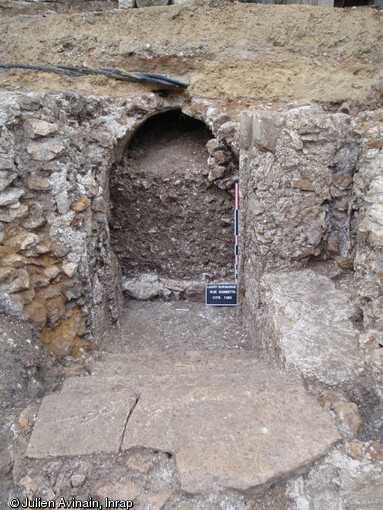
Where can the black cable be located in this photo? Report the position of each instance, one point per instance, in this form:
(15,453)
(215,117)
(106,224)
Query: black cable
(110,73)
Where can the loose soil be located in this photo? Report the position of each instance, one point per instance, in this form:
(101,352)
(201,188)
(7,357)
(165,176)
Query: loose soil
(181,325)
(167,217)
(233,53)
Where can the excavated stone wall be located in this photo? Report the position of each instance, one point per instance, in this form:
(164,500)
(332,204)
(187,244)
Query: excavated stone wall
(311,244)
(57,266)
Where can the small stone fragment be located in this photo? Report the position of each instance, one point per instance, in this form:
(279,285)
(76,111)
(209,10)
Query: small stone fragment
(343,181)
(10,215)
(6,163)
(99,205)
(72,289)
(195,292)
(82,204)
(50,292)
(6,178)
(37,127)
(27,417)
(55,309)
(77,480)
(23,241)
(15,280)
(303,185)
(147,286)
(51,272)
(45,151)
(69,268)
(38,184)
(36,314)
(10,196)
(348,413)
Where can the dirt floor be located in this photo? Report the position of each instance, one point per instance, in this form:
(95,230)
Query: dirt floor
(234,53)
(176,326)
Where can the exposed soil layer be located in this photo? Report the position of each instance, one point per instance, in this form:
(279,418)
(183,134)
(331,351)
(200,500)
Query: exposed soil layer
(158,326)
(229,52)
(167,217)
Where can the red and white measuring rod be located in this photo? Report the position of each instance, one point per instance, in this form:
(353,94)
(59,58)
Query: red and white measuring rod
(236,230)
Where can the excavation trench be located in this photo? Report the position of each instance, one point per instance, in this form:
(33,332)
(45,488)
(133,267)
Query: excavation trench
(171,218)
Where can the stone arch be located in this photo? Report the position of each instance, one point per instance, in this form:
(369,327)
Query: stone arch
(171,213)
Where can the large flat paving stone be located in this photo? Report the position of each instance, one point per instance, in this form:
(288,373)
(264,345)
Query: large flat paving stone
(168,370)
(238,437)
(72,423)
(229,420)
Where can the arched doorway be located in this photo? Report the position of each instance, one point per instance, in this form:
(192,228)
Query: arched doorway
(168,217)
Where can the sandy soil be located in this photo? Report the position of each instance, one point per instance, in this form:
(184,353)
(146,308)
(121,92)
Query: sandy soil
(226,51)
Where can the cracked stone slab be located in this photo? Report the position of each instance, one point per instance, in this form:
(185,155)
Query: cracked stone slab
(72,423)
(309,326)
(240,437)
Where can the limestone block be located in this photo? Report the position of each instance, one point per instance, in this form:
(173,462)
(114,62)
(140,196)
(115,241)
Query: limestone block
(23,241)
(195,292)
(216,173)
(306,324)
(6,163)
(69,268)
(10,215)
(13,280)
(14,260)
(228,129)
(38,184)
(10,196)
(45,151)
(89,183)
(6,178)
(99,205)
(62,202)
(75,424)
(147,286)
(267,127)
(253,435)
(38,128)
(51,272)
(77,480)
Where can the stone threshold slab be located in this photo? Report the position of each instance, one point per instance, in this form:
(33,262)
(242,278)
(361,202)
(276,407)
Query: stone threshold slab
(229,420)
(72,423)
(227,437)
